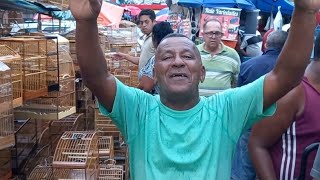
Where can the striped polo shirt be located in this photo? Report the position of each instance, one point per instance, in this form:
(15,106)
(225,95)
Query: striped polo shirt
(222,70)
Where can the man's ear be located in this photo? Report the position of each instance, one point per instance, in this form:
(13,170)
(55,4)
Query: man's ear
(154,76)
(203,74)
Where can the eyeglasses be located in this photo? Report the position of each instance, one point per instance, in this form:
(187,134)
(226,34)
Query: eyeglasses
(215,34)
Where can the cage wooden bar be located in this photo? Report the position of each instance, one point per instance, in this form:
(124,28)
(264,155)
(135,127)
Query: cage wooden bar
(76,156)
(33,52)
(41,173)
(6,108)
(14,61)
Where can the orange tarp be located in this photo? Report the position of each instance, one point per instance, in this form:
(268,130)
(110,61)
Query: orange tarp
(110,14)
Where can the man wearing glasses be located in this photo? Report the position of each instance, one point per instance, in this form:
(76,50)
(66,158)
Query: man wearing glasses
(222,63)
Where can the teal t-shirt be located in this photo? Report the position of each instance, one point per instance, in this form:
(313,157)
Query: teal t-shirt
(194,144)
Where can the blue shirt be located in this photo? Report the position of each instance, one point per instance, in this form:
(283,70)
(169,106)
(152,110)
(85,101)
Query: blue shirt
(256,67)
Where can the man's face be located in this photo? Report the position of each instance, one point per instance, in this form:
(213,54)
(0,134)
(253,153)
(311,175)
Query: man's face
(212,34)
(146,24)
(178,67)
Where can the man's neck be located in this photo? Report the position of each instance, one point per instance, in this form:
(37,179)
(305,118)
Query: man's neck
(213,50)
(179,103)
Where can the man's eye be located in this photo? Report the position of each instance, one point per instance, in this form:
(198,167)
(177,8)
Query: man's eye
(187,57)
(167,57)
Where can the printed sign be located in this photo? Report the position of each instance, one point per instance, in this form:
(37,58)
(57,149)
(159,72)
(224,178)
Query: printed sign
(229,18)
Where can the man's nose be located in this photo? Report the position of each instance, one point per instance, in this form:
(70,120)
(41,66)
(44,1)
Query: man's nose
(178,62)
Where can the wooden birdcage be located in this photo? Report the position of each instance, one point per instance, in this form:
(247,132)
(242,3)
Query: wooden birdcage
(33,52)
(13,60)
(121,36)
(41,173)
(6,108)
(111,171)
(106,147)
(76,156)
(58,127)
(56,105)
(61,65)
(105,124)
(124,75)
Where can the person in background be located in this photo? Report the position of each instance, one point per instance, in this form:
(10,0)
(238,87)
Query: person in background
(221,62)
(146,22)
(277,143)
(146,74)
(251,70)
(264,39)
(251,45)
(179,134)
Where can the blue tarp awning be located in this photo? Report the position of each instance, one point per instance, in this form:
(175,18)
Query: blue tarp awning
(272,5)
(24,5)
(190,3)
(242,4)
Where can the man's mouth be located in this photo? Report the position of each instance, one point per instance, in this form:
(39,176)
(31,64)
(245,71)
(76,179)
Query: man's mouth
(178,75)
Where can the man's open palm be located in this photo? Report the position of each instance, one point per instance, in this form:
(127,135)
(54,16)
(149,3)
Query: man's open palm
(85,9)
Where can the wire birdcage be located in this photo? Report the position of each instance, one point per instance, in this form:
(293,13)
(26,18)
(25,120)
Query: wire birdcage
(76,156)
(6,108)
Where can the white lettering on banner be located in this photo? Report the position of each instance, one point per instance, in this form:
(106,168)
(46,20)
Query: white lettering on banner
(225,12)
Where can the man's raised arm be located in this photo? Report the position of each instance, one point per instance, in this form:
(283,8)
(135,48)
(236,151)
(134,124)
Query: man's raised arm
(90,56)
(295,55)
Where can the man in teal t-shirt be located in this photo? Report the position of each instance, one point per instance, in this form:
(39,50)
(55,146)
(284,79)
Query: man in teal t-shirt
(178,134)
(197,143)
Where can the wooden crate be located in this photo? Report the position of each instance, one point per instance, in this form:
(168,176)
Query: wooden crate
(6,108)
(76,156)
(41,173)
(14,61)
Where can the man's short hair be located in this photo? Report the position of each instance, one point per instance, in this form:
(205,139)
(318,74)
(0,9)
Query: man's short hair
(160,31)
(173,35)
(212,20)
(147,12)
(276,39)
